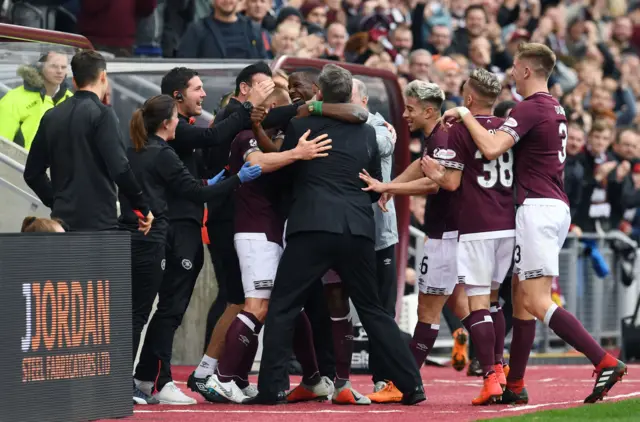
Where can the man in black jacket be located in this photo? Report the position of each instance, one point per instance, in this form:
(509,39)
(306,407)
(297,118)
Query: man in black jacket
(80,142)
(331,225)
(184,250)
(224,35)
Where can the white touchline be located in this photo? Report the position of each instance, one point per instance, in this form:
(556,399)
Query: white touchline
(535,406)
(284,412)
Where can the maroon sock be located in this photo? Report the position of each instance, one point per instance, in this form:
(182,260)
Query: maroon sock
(248,359)
(241,343)
(569,329)
(342,330)
(524,332)
(499,327)
(483,337)
(424,336)
(305,351)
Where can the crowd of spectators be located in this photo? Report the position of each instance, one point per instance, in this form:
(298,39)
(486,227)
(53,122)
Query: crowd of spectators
(596,79)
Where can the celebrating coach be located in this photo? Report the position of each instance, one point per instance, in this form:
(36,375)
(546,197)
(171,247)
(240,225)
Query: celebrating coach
(331,225)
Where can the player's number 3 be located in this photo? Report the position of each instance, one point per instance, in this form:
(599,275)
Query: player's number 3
(562,130)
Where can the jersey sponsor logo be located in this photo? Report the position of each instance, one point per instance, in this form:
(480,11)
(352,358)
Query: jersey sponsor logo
(186,264)
(510,122)
(444,154)
(387,261)
(163,264)
(253,143)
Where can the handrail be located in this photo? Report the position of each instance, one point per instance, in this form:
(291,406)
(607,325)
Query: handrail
(35,202)
(12,163)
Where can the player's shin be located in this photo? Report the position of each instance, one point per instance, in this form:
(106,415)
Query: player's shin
(426,331)
(241,346)
(499,326)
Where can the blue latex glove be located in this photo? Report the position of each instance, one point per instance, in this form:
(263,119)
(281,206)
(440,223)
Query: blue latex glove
(215,179)
(248,172)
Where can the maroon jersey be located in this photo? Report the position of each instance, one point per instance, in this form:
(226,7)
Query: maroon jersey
(539,127)
(440,213)
(486,188)
(255,201)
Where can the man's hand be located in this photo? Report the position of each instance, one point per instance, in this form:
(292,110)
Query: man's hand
(217,178)
(448,116)
(303,110)
(372,184)
(431,168)
(315,148)
(576,230)
(258,114)
(382,202)
(144,224)
(623,170)
(394,134)
(260,92)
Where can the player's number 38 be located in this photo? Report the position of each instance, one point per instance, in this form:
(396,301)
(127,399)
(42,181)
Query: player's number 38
(500,169)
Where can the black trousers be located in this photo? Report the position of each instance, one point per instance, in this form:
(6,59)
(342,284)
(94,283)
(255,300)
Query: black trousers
(184,260)
(227,268)
(147,268)
(317,311)
(387,281)
(305,259)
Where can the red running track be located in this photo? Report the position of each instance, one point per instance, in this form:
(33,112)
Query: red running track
(449,395)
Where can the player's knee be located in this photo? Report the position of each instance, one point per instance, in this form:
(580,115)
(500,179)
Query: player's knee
(257,307)
(428,310)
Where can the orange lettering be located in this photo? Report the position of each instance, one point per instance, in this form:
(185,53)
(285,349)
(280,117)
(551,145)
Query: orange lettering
(77,314)
(90,318)
(102,293)
(48,334)
(64,336)
(37,332)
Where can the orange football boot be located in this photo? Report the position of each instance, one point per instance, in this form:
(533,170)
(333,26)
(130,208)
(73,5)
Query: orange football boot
(491,391)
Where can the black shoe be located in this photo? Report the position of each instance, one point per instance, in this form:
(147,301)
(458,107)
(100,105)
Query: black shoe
(474,370)
(199,385)
(511,397)
(414,397)
(606,378)
(267,398)
(140,397)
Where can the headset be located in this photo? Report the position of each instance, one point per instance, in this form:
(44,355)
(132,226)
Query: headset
(179,97)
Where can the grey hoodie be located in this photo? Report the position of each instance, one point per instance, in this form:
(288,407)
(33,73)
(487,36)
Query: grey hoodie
(386,224)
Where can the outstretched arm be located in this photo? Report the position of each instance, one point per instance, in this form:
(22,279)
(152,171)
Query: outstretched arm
(305,150)
(491,144)
(349,113)
(420,186)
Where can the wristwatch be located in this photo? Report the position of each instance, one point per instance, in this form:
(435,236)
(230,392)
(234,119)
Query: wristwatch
(247,106)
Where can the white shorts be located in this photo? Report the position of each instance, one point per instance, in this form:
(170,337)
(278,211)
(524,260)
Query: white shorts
(438,273)
(484,261)
(542,226)
(259,261)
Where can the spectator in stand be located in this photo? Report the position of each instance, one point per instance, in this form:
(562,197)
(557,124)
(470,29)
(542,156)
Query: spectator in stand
(440,41)
(44,87)
(314,11)
(336,40)
(285,40)
(401,39)
(258,11)
(420,62)
(574,171)
(223,35)
(96,22)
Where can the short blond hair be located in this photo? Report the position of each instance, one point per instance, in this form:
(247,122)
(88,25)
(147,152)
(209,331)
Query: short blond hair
(485,83)
(541,56)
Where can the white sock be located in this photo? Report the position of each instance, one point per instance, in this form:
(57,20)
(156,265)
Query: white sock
(207,367)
